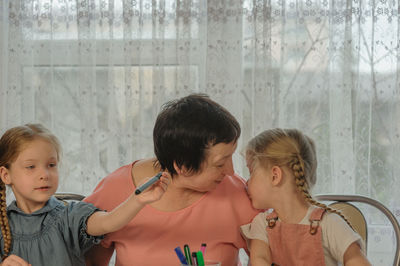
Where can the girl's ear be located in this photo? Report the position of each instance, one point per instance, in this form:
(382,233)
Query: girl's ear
(5,175)
(277,175)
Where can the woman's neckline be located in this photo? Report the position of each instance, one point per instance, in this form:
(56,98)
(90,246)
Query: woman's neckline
(159,206)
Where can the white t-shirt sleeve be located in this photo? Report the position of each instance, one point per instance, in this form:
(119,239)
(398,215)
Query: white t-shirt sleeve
(337,236)
(256,229)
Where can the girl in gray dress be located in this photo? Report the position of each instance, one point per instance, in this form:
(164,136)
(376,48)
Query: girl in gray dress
(37,229)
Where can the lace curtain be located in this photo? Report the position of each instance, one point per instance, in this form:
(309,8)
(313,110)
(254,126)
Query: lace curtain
(96,73)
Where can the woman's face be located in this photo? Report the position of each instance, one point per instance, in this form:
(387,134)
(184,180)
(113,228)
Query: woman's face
(217,165)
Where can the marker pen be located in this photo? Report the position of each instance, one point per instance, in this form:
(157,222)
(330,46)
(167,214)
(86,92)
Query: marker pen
(151,181)
(187,254)
(200,259)
(194,258)
(203,248)
(180,255)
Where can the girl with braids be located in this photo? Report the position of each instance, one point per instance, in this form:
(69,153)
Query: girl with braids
(37,228)
(299,230)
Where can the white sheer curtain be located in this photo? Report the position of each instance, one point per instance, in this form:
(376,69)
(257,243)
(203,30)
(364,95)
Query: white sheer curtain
(97,71)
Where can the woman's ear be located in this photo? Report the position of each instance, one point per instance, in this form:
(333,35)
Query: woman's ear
(5,175)
(276,175)
(181,170)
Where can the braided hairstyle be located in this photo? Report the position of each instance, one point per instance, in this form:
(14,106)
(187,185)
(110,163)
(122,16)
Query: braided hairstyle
(11,144)
(292,149)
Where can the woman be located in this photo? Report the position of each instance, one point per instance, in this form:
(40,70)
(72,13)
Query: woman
(194,140)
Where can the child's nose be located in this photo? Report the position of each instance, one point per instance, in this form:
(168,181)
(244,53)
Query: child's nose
(44,175)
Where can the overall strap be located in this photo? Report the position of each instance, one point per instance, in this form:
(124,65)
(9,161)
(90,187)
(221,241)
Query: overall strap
(315,218)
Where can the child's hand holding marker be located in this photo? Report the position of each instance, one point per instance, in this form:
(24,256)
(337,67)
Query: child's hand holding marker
(153,188)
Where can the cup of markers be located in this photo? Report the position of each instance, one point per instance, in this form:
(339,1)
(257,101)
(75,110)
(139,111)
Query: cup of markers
(194,258)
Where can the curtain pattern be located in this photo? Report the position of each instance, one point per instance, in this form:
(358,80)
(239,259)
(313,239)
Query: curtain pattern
(96,73)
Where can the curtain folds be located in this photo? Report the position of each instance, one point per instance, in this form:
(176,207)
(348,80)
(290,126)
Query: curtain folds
(96,72)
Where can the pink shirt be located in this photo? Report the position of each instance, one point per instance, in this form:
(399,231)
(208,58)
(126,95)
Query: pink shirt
(150,238)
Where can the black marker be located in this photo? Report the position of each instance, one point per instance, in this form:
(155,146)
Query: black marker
(151,181)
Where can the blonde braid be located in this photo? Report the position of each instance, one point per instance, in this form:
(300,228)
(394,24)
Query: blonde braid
(4,225)
(297,166)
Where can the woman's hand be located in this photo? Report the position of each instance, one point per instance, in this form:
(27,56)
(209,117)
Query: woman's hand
(155,191)
(14,260)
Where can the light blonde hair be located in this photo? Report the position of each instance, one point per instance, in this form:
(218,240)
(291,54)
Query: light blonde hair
(292,149)
(11,144)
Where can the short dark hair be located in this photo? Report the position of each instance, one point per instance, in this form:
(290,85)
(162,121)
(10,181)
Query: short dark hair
(185,128)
